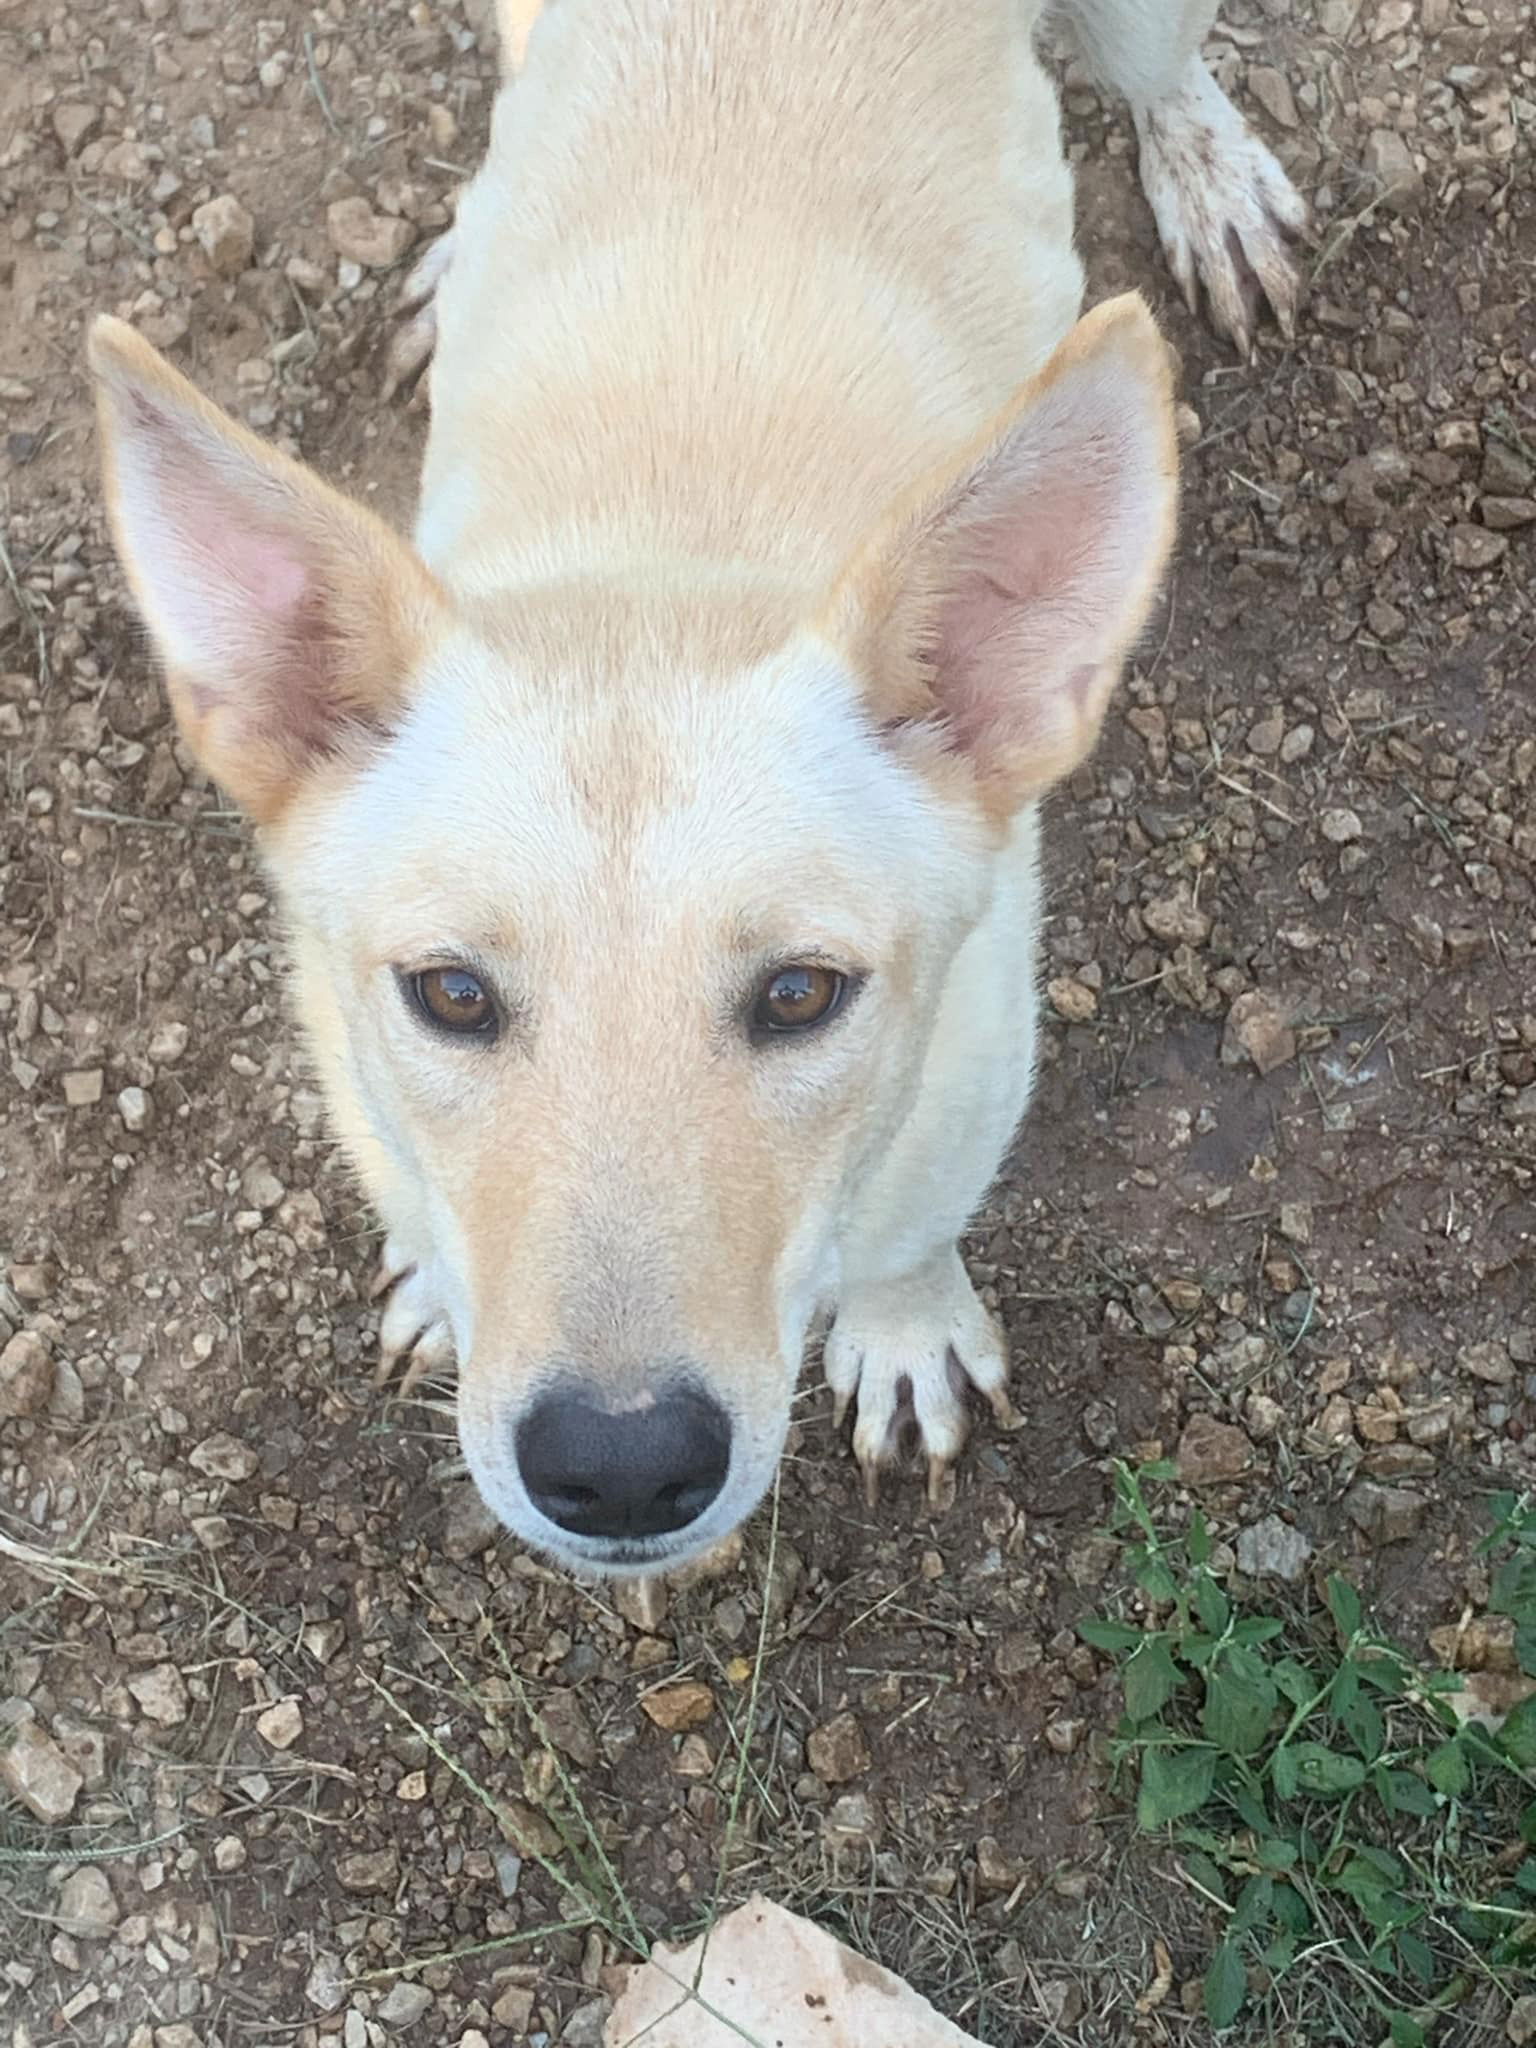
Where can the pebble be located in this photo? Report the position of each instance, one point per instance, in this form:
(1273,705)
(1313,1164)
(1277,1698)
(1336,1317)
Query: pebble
(1489,1362)
(1258,1028)
(33,1768)
(1072,999)
(167,1043)
(85,1906)
(677,1707)
(226,233)
(1385,1514)
(369,1870)
(1389,163)
(1340,827)
(1521,2023)
(1502,514)
(82,1089)
(1272,90)
(1272,1549)
(134,1107)
(359,235)
(162,1695)
(26,1376)
(228,1854)
(514,2008)
(1474,547)
(564,1722)
(838,1750)
(222,1456)
(326,1985)
(74,123)
(404,2004)
(1211,1451)
(281,1725)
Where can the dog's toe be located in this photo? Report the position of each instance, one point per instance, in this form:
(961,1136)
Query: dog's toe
(413,1326)
(1226,212)
(415,340)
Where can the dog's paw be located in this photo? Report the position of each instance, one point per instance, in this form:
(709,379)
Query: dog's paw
(1225,210)
(413,1325)
(903,1356)
(416,337)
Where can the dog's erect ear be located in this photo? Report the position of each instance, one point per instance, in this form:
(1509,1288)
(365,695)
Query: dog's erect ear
(1005,594)
(289,620)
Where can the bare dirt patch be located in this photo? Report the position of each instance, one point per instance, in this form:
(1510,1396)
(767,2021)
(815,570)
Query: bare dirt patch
(1281,1173)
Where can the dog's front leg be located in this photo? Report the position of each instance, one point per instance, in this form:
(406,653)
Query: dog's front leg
(1226,212)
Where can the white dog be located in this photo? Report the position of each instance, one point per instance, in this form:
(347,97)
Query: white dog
(658,833)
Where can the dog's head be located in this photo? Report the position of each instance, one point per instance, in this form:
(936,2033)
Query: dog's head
(621,915)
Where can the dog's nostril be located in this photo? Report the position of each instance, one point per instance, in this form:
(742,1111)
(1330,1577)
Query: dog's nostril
(645,1472)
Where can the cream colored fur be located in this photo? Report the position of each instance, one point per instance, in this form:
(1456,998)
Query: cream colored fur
(782,533)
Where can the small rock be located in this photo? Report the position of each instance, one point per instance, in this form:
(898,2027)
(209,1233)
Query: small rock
(1072,999)
(1272,90)
(694,1758)
(851,1827)
(359,235)
(1211,1451)
(1175,921)
(514,2008)
(33,1768)
(642,1603)
(1475,547)
(1340,827)
(1064,1735)
(162,1695)
(995,1871)
(1264,738)
(198,17)
(168,1043)
(281,1725)
(677,1707)
(1384,1514)
(85,1906)
(226,233)
(228,1854)
(260,1186)
(470,1526)
(1389,162)
(1272,1549)
(1503,514)
(133,1106)
(838,1750)
(584,2028)
(564,1721)
(1258,1028)
(222,1456)
(326,1985)
(26,1376)
(369,1870)
(404,2004)
(82,1090)
(1487,1643)
(75,123)
(1489,1362)
(1521,2023)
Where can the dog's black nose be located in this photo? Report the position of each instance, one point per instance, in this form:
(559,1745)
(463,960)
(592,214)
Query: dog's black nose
(643,1472)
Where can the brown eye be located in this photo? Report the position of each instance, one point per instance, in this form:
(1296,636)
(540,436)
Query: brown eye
(796,998)
(453,999)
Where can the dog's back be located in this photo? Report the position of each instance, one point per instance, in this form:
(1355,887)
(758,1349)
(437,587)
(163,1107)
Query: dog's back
(729,282)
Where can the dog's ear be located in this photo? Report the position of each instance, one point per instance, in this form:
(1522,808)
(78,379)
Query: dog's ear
(289,620)
(1004,594)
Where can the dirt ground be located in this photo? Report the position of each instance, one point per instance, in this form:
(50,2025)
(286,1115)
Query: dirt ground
(1281,1173)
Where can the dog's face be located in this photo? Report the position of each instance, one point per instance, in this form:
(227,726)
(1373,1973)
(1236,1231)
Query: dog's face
(622,922)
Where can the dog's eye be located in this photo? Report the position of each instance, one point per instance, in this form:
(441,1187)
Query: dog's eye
(452,999)
(796,999)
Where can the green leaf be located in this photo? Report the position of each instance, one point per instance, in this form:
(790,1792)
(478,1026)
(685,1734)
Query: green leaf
(1151,1678)
(1292,1910)
(1365,1728)
(1447,1768)
(1416,1957)
(1158,1583)
(1212,1605)
(1406,2031)
(1525,1876)
(1262,1629)
(1346,1687)
(1402,1792)
(1295,1681)
(1517,1738)
(1528,1823)
(1254,1906)
(1199,1539)
(1226,1987)
(1276,1854)
(1323,1772)
(1204,1873)
(1250,1808)
(1344,1606)
(1110,1635)
(1239,1704)
(1173,1784)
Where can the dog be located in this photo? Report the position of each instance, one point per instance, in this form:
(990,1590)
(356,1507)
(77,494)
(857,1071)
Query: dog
(657,833)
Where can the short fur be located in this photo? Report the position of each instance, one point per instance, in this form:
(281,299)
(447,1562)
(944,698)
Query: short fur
(783,530)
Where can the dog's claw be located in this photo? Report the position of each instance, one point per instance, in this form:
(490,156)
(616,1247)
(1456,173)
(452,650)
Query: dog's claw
(1226,212)
(411,350)
(412,1325)
(870,1467)
(941,1485)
